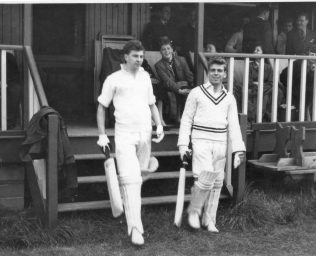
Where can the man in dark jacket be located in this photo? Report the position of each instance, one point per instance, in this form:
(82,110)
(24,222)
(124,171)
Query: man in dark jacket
(176,77)
(259,29)
(299,39)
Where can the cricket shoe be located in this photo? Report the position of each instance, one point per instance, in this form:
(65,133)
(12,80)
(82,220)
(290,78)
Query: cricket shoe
(137,237)
(194,220)
(211,227)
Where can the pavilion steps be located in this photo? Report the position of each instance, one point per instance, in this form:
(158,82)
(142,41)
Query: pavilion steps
(103,204)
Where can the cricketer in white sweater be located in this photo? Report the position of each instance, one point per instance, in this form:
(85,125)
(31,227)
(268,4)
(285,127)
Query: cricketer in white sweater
(208,116)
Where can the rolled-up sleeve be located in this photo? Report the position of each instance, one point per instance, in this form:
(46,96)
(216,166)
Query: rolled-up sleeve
(234,127)
(151,96)
(107,93)
(187,119)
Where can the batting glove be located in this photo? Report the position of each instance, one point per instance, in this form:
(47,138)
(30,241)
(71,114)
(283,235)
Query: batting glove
(239,158)
(183,151)
(160,134)
(103,142)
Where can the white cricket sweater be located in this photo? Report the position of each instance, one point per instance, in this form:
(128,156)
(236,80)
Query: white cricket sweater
(208,116)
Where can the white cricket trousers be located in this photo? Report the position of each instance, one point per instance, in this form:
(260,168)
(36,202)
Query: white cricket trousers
(208,166)
(132,154)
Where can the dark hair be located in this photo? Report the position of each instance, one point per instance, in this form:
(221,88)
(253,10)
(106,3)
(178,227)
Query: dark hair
(133,45)
(217,61)
(164,41)
(303,14)
(257,43)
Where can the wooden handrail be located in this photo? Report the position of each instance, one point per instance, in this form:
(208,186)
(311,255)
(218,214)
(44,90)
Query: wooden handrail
(35,76)
(11,47)
(258,56)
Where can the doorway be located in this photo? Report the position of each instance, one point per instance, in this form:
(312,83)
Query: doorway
(59,49)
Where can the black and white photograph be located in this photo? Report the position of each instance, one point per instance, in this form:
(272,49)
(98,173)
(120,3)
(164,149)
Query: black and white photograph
(156,128)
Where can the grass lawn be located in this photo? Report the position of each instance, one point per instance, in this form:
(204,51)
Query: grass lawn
(265,223)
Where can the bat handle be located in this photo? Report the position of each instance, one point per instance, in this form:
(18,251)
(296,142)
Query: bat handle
(106,152)
(185,161)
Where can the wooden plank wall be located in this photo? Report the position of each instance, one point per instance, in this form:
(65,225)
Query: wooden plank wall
(140,16)
(117,19)
(11,27)
(12,186)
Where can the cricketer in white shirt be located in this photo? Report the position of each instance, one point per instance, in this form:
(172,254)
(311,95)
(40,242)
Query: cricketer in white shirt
(131,91)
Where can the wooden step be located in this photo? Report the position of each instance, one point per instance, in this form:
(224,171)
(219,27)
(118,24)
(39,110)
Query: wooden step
(95,205)
(82,145)
(147,176)
(101,156)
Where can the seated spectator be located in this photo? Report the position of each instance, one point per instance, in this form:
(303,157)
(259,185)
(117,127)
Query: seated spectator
(296,82)
(253,88)
(176,78)
(286,27)
(209,48)
(14,91)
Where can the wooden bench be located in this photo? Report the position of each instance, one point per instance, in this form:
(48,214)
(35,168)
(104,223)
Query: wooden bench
(287,156)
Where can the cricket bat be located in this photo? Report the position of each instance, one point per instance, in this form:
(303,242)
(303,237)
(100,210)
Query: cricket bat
(181,192)
(113,185)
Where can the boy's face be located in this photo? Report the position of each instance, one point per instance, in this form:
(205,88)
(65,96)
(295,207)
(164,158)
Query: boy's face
(210,48)
(134,59)
(258,50)
(216,74)
(288,26)
(166,52)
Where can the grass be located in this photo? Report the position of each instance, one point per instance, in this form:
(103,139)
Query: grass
(266,222)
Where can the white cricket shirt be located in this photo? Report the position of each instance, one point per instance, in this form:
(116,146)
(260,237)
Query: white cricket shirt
(131,95)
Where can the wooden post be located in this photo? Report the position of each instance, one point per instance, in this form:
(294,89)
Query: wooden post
(3,94)
(51,177)
(239,174)
(303,91)
(198,67)
(274,114)
(245,88)
(260,90)
(27,40)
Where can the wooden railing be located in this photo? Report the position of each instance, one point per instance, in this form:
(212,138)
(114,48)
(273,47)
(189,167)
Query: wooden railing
(304,114)
(35,92)
(45,203)
(275,63)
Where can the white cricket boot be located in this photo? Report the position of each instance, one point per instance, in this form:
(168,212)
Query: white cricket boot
(137,238)
(211,227)
(194,220)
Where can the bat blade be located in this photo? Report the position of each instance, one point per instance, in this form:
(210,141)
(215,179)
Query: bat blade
(113,188)
(180,198)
